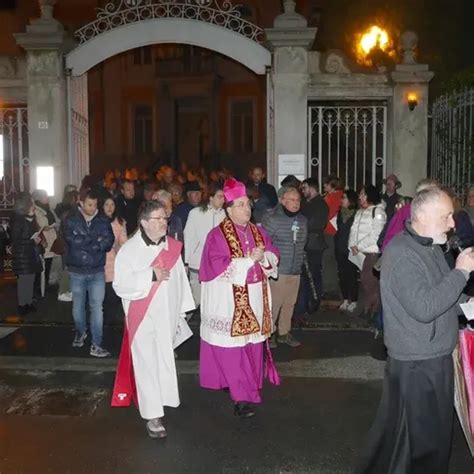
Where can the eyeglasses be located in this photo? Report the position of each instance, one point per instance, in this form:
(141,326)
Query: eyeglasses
(162,219)
(243,205)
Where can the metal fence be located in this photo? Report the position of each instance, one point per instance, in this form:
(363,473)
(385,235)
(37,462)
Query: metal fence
(14,176)
(348,140)
(452,141)
(14,170)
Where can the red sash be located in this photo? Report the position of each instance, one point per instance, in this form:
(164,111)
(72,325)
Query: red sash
(124,387)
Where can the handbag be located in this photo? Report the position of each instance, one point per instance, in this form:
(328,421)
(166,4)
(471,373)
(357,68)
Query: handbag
(59,246)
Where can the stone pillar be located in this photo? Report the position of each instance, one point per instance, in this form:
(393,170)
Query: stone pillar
(44,42)
(290,40)
(410,124)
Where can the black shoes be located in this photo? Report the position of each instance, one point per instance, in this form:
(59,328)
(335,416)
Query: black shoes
(25,309)
(243,410)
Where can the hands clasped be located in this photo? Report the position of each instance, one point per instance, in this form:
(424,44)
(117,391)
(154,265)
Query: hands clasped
(257,254)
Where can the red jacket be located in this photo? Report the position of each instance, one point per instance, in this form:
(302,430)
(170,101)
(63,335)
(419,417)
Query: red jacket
(333,200)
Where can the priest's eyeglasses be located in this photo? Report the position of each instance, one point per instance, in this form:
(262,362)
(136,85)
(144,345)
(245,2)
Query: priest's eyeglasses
(162,219)
(243,205)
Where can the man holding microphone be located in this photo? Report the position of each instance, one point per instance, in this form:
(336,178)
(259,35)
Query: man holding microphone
(421,296)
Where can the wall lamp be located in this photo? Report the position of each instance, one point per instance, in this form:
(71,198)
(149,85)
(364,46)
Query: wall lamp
(412,101)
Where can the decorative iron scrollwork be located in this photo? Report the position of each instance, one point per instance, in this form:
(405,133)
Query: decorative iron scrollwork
(221,13)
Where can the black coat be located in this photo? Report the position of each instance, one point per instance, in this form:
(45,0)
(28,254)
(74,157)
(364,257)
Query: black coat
(26,253)
(341,239)
(317,212)
(127,209)
(267,190)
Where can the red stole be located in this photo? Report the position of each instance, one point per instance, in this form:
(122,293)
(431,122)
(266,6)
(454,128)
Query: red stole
(124,387)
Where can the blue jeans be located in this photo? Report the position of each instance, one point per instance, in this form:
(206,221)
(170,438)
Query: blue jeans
(93,286)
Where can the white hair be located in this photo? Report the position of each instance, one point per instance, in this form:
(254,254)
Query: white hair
(425,196)
(162,194)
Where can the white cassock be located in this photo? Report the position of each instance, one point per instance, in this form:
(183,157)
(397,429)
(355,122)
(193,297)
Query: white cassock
(163,327)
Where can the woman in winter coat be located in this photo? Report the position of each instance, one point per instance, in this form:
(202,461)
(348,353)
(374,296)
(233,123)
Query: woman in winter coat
(112,304)
(346,269)
(369,222)
(26,249)
(49,225)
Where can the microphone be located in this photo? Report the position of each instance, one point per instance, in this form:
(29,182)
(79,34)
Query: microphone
(455,243)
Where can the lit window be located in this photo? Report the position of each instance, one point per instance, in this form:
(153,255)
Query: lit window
(45,179)
(2,159)
(242,126)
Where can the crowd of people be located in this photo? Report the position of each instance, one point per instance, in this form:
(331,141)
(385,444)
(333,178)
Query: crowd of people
(255,261)
(330,243)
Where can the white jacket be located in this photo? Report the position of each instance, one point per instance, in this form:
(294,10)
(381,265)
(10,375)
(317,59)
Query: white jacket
(198,225)
(366,229)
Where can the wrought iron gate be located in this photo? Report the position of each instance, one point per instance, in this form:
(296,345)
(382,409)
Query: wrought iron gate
(14,170)
(349,140)
(452,141)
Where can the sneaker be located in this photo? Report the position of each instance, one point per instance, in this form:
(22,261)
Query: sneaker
(97,351)
(273,341)
(289,340)
(351,307)
(79,339)
(65,297)
(344,305)
(156,429)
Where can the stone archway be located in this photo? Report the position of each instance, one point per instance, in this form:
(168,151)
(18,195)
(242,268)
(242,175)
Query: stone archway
(128,24)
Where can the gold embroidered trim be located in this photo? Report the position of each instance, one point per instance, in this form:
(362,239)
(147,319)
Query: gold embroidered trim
(244,321)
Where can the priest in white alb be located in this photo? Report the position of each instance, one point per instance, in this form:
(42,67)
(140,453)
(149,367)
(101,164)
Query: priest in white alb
(236,322)
(151,280)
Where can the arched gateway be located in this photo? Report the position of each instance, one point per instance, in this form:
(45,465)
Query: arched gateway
(124,25)
(133,23)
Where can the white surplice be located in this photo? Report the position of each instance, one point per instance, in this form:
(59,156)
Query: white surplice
(163,327)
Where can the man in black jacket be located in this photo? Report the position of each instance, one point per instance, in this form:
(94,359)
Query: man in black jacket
(315,209)
(128,205)
(266,191)
(88,237)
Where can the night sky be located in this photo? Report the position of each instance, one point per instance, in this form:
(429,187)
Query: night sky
(445,28)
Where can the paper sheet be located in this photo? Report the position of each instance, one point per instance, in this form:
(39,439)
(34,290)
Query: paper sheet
(357,260)
(468,310)
(333,221)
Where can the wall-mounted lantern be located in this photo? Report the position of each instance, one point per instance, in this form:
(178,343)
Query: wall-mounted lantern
(412,101)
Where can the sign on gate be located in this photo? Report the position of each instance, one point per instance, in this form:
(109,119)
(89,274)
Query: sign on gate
(348,140)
